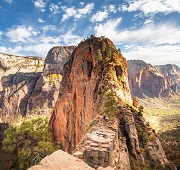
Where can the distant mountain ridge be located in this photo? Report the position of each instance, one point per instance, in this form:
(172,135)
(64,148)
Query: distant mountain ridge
(172,71)
(146,80)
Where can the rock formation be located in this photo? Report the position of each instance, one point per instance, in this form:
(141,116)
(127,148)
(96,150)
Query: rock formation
(82,87)
(27,88)
(18,76)
(46,90)
(61,160)
(147,81)
(171,71)
(93,118)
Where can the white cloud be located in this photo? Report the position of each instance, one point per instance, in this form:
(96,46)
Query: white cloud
(149,34)
(70,39)
(49,28)
(81,3)
(9,1)
(152,6)
(112,8)
(54,8)
(156,44)
(99,16)
(21,34)
(108,29)
(166,54)
(3,49)
(77,13)
(40,5)
(41,20)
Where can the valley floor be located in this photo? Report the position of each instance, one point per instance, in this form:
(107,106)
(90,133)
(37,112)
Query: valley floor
(164,116)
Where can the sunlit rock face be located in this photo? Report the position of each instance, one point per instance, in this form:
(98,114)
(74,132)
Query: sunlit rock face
(18,77)
(172,71)
(147,81)
(30,85)
(85,76)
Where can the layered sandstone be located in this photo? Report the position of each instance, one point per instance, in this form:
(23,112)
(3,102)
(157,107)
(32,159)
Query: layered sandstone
(147,81)
(46,90)
(28,88)
(18,76)
(172,71)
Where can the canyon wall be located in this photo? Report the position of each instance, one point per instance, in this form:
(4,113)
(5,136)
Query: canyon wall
(147,81)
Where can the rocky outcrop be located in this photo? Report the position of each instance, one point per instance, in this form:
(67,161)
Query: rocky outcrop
(61,160)
(147,81)
(172,71)
(27,88)
(56,58)
(93,64)
(46,91)
(93,118)
(18,77)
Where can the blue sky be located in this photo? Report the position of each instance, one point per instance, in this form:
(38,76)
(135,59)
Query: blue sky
(143,29)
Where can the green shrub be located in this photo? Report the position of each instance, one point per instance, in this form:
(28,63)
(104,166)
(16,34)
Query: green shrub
(29,143)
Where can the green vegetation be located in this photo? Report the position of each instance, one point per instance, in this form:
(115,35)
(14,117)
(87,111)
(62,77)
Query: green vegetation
(92,124)
(163,114)
(99,55)
(111,105)
(28,143)
(142,135)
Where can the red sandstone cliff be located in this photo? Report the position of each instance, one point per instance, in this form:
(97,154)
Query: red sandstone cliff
(93,64)
(147,81)
(93,118)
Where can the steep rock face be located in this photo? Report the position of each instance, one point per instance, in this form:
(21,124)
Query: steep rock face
(10,64)
(93,64)
(17,90)
(171,71)
(18,76)
(146,80)
(27,88)
(56,58)
(46,91)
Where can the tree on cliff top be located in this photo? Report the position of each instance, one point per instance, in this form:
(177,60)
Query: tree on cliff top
(29,143)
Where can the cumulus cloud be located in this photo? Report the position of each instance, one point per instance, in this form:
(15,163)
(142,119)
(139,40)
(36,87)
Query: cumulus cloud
(99,16)
(54,8)
(21,34)
(152,7)
(166,33)
(152,43)
(9,1)
(77,13)
(40,5)
(112,8)
(49,28)
(156,55)
(41,20)
(108,29)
